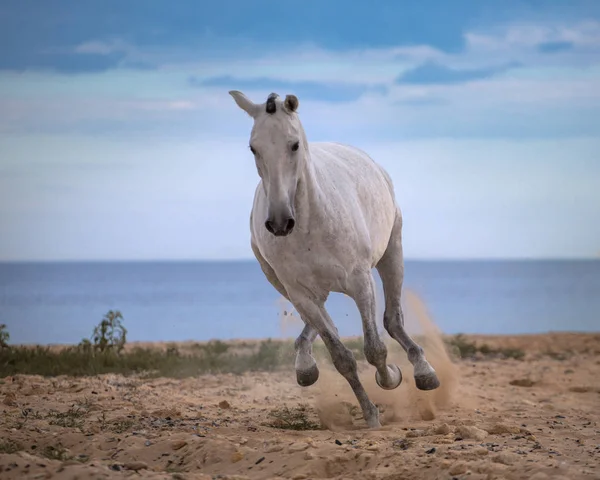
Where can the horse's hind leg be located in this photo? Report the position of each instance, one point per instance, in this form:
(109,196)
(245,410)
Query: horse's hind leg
(388,377)
(391,271)
(314,314)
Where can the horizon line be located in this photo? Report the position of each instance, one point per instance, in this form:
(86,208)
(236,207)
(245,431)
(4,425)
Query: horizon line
(251,259)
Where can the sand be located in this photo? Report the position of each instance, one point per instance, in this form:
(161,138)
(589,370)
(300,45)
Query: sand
(493,418)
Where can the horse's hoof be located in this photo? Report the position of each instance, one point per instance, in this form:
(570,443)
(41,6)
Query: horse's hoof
(427,382)
(306,378)
(374,423)
(371,416)
(395,376)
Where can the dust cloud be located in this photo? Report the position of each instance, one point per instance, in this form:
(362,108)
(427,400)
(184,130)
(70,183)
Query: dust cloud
(334,400)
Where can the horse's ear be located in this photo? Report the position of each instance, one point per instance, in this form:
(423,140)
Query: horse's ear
(245,103)
(291,103)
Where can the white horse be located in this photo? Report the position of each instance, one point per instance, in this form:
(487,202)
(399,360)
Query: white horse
(324,216)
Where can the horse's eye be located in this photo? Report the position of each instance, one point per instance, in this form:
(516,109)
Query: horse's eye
(295,146)
(252,150)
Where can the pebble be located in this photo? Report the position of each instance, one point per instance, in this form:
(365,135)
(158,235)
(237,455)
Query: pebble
(443,429)
(136,466)
(401,444)
(274,448)
(10,400)
(500,428)
(236,456)
(538,476)
(458,468)
(522,382)
(298,447)
(480,451)
(178,444)
(471,432)
(506,458)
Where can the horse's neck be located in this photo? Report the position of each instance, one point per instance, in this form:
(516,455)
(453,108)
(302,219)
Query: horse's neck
(309,195)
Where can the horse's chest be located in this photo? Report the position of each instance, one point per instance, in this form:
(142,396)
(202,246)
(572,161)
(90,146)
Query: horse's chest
(307,264)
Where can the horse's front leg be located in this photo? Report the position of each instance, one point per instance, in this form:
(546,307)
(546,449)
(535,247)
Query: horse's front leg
(314,314)
(307,372)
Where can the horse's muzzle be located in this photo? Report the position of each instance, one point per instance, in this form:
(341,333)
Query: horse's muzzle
(280,228)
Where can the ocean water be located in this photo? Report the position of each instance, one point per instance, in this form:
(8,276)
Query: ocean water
(170,301)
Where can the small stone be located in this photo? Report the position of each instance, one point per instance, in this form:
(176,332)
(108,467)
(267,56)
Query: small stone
(531,438)
(260,460)
(401,444)
(505,458)
(538,476)
(147,443)
(430,451)
(373,448)
(274,448)
(116,467)
(224,404)
(443,429)
(458,468)
(415,433)
(236,456)
(308,455)
(10,400)
(480,451)
(136,466)
(178,444)
(337,442)
(298,447)
(473,433)
(522,382)
(500,428)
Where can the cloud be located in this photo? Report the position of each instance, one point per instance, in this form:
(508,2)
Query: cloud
(432,74)
(498,85)
(194,32)
(553,47)
(202,30)
(62,62)
(330,92)
(581,34)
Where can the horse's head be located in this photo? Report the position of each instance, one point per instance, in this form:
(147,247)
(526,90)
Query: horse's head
(278,144)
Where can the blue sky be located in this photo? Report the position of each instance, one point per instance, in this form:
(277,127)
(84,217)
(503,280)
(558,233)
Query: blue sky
(118,139)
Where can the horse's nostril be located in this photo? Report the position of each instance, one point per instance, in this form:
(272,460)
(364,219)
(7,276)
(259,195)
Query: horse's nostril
(289,226)
(269,226)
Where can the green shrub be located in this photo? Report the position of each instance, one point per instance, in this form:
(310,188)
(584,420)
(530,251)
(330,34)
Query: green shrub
(4,336)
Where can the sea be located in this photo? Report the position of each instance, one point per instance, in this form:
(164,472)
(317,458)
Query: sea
(58,303)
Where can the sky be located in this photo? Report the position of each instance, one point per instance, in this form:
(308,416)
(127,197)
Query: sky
(119,140)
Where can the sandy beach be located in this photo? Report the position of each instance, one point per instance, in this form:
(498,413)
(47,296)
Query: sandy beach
(534,417)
